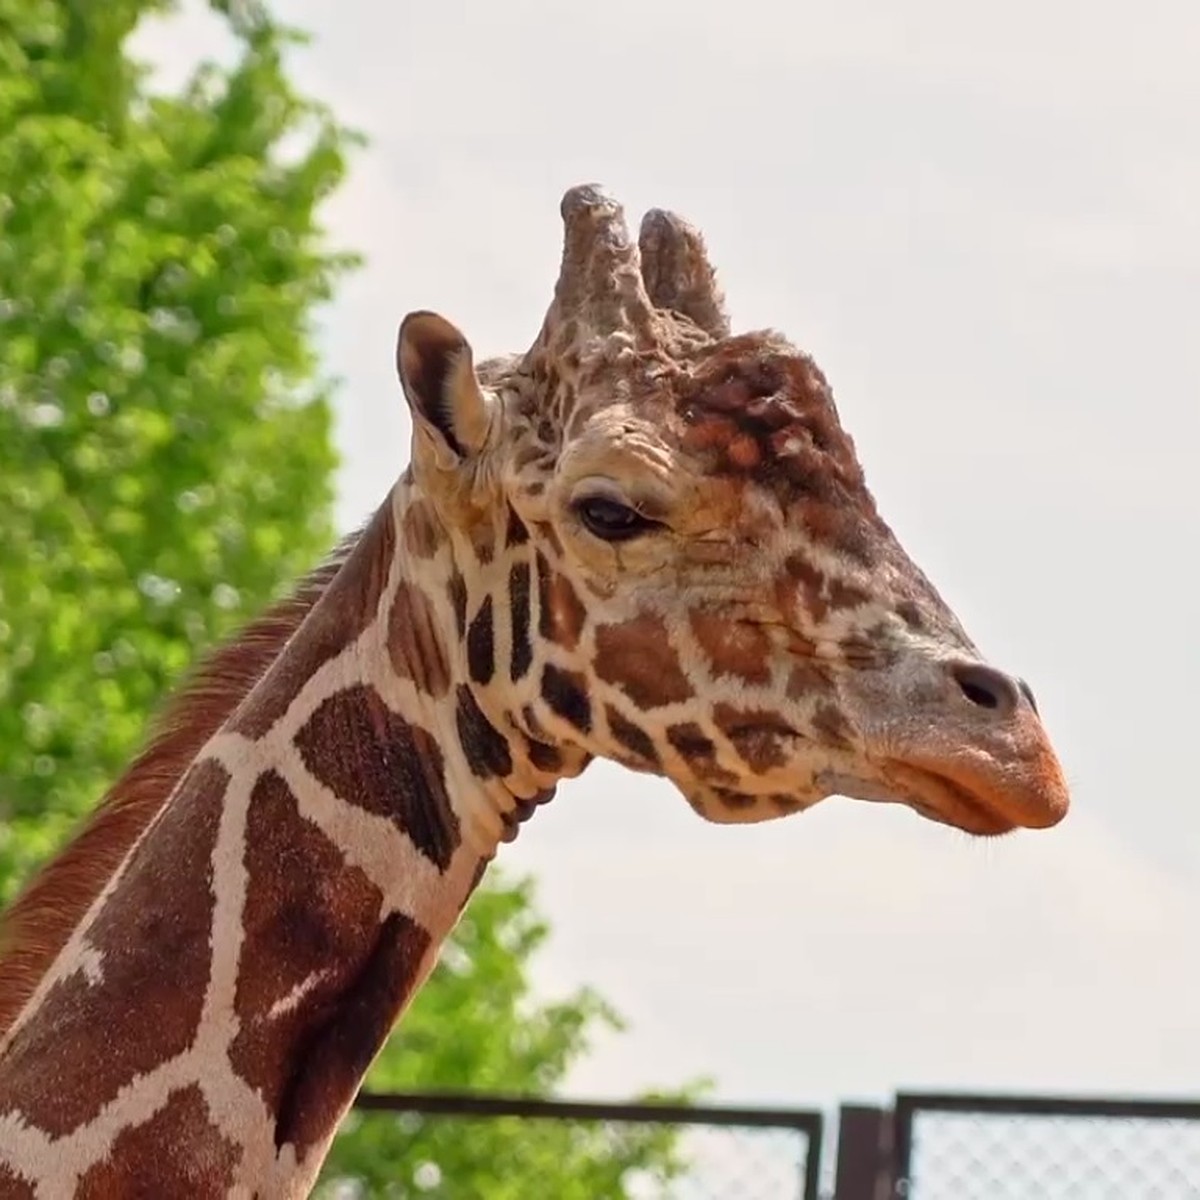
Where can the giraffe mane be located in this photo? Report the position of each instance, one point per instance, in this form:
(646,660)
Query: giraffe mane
(38,923)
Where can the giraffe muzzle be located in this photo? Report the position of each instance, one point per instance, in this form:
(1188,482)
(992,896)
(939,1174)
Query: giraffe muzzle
(965,746)
(987,765)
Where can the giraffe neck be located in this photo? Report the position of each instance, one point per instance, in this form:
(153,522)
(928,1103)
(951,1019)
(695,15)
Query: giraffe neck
(211,1017)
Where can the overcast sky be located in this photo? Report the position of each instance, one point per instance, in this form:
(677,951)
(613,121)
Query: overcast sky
(984,222)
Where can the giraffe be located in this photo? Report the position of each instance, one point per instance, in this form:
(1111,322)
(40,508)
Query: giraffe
(646,539)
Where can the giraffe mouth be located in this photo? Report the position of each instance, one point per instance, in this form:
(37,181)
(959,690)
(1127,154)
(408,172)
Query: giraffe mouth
(927,792)
(938,797)
(986,803)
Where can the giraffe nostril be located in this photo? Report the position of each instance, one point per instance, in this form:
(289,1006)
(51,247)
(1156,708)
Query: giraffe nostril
(985,687)
(1027,692)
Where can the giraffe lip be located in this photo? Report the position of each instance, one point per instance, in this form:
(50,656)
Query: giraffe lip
(978,800)
(927,792)
(941,798)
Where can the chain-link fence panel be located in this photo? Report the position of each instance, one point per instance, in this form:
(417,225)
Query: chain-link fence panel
(1046,1149)
(489,1148)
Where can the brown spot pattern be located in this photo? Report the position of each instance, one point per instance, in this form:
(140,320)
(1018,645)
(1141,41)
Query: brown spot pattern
(565,693)
(808,584)
(735,648)
(372,758)
(516,534)
(415,642)
(15,1187)
(481,643)
(831,726)
(637,656)
(348,607)
(734,800)
(698,751)
(631,737)
(561,614)
(153,933)
(786,804)
(758,735)
(487,752)
(306,912)
(330,1069)
(177,1152)
(421,534)
(520,616)
(807,677)
(544,756)
(457,590)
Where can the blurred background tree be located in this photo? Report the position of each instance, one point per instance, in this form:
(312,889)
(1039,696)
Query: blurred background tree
(165,454)
(166,468)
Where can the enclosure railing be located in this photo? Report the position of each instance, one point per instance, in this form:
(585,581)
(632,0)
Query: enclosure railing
(926,1146)
(937,1146)
(750,1153)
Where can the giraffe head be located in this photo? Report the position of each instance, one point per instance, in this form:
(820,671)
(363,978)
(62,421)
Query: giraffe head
(660,549)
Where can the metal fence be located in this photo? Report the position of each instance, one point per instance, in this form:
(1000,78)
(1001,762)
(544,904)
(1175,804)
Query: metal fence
(1021,1148)
(925,1147)
(964,1147)
(717,1152)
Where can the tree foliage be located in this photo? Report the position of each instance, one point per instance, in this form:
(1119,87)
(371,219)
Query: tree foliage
(166,468)
(165,459)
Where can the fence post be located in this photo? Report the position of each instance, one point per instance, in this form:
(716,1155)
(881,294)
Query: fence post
(864,1154)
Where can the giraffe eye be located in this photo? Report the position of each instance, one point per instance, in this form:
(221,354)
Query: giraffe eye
(611,520)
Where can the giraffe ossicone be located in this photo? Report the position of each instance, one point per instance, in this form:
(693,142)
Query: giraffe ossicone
(644,539)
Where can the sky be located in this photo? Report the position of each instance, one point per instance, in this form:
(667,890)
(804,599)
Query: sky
(984,223)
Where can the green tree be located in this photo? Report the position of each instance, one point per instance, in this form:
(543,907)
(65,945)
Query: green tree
(166,468)
(165,459)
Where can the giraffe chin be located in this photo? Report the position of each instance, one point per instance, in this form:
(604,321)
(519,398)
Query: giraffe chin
(728,806)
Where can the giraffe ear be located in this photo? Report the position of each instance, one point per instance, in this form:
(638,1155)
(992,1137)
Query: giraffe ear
(437,373)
